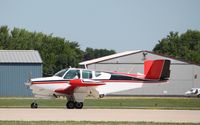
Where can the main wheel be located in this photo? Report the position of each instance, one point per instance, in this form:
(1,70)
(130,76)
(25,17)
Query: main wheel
(34,105)
(79,105)
(70,105)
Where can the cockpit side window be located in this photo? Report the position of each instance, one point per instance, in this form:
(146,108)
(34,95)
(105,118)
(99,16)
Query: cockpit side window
(61,73)
(72,74)
(86,74)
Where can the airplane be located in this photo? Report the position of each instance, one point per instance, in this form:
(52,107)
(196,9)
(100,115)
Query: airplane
(76,83)
(193,92)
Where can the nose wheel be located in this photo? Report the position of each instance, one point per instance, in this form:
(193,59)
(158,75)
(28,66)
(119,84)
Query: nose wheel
(72,105)
(34,105)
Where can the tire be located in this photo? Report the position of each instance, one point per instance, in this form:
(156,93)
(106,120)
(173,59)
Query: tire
(70,105)
(79,105)
(101,95)
(34,105)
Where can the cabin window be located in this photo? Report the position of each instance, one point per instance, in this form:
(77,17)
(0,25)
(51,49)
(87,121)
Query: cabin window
(72,74)
(86,74)
(97,74)
(120,77)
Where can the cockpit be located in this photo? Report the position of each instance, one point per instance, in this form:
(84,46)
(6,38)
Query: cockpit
(73,73)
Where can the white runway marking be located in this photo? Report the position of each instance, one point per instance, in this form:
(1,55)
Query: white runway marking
(186,116)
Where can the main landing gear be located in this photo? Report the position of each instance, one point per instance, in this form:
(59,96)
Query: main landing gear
(72,105)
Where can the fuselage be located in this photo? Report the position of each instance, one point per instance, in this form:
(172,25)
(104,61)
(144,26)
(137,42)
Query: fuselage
(112,82)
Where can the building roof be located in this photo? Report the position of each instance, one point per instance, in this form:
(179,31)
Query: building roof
(129,53)
(109,57)
(20,56)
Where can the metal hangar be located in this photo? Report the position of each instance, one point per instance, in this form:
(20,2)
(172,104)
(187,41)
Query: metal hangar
(16,67)
(184,75)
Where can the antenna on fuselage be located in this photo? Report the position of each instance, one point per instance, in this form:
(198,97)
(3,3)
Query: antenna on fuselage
(85,66)
(131,69)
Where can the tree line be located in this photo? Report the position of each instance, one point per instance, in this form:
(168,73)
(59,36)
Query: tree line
(185,46)
(57,53)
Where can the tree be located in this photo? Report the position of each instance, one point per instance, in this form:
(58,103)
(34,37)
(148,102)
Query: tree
(56,53)
(185,46)
(91,53)
(4,37)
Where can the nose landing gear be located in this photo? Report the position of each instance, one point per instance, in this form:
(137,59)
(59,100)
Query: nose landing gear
(34,105)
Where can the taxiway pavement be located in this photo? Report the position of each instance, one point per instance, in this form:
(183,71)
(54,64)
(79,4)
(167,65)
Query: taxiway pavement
(135,115)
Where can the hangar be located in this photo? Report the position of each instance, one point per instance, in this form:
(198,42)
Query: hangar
(184,75)
(16,67)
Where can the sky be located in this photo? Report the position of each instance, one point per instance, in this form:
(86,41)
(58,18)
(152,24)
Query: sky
(121,25)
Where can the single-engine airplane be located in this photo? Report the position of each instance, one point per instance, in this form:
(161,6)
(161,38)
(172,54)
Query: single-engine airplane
(76,83)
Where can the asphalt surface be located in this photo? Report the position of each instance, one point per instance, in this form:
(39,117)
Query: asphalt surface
(135,115)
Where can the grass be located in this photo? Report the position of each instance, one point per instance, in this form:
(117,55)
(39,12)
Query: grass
(87,123)
(148,103)
(111,102)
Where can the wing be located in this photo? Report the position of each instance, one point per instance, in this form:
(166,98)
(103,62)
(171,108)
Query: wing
(81,88)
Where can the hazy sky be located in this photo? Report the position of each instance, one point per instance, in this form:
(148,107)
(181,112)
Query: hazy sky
(112,24)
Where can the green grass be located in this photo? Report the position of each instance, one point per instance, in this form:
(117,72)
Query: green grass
(108,102)
(87,123)
(149,103)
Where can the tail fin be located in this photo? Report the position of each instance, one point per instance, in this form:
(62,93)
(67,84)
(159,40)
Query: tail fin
(157,69)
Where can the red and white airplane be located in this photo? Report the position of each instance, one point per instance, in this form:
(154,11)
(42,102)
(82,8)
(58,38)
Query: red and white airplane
(76,84)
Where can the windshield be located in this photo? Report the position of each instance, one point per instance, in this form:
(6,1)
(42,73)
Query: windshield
(61,73)
(72,74)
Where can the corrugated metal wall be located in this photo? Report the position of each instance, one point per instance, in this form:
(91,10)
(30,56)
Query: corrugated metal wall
(13,76)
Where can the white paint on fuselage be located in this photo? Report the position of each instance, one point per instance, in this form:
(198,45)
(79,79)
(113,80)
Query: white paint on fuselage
(47,89)
(112,87)
(47,78)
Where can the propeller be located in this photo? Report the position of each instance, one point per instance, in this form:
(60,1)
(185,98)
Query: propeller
(28,82)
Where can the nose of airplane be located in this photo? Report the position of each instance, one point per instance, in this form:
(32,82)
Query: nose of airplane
(28,83)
